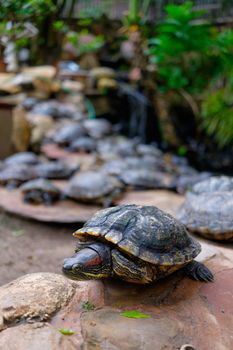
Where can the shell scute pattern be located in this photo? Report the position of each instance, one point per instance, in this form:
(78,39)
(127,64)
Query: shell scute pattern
(144,232)
(214,184)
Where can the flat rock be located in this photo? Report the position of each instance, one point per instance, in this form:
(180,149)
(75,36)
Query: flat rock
(163,199)
(35,296)
(53,151)
(65,211)
(69,316)
(35,336)
(181,311)
(107,329)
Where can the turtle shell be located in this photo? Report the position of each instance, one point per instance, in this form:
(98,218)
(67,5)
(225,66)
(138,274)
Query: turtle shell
(186,181)
(19,173)
(42,185)
(84,143)
(209,214)
(54,170)
(22,158)
(97,128)
(91,185)
(141,178)
(214,184)
(68,133)
(145,232)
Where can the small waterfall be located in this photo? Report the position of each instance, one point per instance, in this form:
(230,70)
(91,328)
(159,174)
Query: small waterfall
(138,106)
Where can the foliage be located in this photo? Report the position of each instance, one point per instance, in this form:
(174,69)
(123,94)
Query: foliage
(21,10)
(180,50)
(134,314)
(217,115)
(85,42)
(196,59)
(15,15)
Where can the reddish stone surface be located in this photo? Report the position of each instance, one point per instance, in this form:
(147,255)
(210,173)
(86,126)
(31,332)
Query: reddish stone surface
(52,151)
(68,211)
(69,317)
(65,211)
(165,200)
(181,312)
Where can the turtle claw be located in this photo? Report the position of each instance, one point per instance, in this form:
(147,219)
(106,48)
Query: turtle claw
(199,272)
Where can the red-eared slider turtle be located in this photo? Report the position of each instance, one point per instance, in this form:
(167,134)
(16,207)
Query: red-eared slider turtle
(213,184)
(118,166)
(94,187)
(83,144)
(40,191)
(15,175)
(68,133)
(138,244)
(209,214)
(142,179)
(22,158)
(97,128)
(186,181)
(114,167)
(54,170)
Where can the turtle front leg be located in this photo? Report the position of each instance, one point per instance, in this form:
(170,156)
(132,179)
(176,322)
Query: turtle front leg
(199,272)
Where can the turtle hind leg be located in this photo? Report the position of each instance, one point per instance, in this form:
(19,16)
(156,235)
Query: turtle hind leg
(198,272)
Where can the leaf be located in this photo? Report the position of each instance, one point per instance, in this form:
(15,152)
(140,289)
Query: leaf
(86,305)
(134,314)
(17,233)
(66,331)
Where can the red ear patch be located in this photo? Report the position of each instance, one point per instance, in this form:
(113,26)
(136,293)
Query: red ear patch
(95,261)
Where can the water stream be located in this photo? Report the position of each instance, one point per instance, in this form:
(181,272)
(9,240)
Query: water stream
(138,107)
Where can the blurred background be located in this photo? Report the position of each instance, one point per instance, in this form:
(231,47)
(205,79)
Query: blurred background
(160,71)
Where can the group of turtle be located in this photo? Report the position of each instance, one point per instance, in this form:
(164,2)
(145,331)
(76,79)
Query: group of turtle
(142,244)
(119,163)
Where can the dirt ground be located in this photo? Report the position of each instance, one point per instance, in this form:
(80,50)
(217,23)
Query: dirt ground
(28,246)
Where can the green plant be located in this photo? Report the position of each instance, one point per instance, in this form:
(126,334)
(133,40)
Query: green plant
(217,115)
(195,61)
(180,50)
(85,42)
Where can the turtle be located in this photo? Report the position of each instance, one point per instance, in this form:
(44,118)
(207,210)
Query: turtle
(29,158)
(144,149)
(138,244)
(120,165)
(208,214)
(142,179)
(116,146)
(93,187)
(97,128)
(56,109)
(114,167)
(55,170)
(83,144)
(68,133)
(40,191)
(14,175)
(187,181)
(213,184)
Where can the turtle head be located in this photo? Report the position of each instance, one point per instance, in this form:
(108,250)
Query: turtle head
(91,262)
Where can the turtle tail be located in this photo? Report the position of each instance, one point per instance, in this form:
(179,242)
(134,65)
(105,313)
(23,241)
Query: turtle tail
(198,272)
